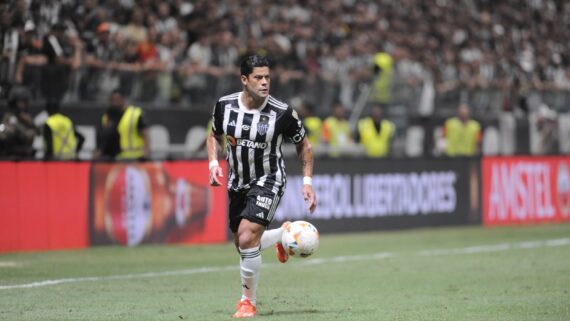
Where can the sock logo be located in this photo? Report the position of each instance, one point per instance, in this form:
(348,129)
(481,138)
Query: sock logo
(245,286)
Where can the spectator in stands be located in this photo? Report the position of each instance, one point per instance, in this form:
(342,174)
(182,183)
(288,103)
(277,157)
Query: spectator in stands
(136,30)
(63,54)
(62,141)
(100,56)
(514,45)
(375,133)
(30,59)
(17,129)
(8,50)
(463,134)
(123,132)
(336,131)
(547,127)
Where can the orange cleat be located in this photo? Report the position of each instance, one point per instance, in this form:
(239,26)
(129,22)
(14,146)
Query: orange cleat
(245,310)
(282,255)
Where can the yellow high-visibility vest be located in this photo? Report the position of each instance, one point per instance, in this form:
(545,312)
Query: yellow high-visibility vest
(338,134)
(315,126)
(462,138)
(63,137)
(376,144)
(131,140)
(381,91)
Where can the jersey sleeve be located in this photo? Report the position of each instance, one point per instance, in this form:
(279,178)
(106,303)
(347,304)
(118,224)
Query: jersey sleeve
(217,119)
(294,129)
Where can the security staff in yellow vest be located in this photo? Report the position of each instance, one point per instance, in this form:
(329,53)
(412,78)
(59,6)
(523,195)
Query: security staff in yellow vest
(312,123)
(375,133)
(62,141)
(463,135)
(123,132)
(336,130)
(383,70)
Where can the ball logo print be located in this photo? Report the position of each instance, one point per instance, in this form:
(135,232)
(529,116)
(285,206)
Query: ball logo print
(300,239)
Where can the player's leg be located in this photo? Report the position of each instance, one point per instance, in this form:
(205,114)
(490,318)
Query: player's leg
(255,217)
(273,238)
(249,266)
(248,237)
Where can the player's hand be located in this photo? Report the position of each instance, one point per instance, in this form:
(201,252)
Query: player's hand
(215,174)
(310,197)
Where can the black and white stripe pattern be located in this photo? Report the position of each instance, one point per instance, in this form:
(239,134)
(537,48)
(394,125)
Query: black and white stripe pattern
(254,139)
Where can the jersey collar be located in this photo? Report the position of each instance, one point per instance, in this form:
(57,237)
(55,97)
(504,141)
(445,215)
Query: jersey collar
(251,111)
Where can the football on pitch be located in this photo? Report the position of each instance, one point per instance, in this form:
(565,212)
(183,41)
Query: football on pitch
(300,239)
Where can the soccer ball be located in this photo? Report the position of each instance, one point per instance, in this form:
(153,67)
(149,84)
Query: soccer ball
(300,239)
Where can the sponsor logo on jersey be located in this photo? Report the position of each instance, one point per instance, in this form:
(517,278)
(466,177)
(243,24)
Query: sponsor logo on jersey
(263,202)
(245,127)
(246,143)
(251,144)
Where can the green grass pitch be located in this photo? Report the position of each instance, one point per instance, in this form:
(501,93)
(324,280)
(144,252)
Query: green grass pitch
(473,273)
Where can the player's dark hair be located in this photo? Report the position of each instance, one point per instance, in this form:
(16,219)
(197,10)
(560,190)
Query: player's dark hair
(251,62)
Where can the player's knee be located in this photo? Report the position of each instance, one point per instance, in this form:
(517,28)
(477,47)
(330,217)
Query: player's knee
(247,239)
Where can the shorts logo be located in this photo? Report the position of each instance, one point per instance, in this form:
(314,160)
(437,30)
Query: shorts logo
(263,125)
(260,215)
(263,202)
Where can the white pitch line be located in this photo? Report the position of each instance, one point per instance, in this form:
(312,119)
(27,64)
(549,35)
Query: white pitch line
(315,261)
(209,269)
(497,247)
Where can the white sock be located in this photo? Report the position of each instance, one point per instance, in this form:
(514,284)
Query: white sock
(250,266)
(271,237)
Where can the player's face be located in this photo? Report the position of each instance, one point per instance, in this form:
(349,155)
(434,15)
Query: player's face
(257,83)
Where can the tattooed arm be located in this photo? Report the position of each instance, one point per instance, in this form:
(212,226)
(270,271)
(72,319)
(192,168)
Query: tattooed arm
(305,153)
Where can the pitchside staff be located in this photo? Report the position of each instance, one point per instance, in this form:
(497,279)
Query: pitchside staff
(255,125)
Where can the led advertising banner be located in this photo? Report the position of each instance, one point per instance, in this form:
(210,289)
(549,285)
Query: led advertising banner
(355,195)
(525,190)
(158,202)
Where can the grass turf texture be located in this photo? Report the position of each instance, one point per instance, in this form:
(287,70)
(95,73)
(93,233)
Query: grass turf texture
(513,284)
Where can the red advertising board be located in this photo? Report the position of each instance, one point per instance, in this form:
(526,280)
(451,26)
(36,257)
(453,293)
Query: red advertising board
(43,206)
(160,202)
(525,190)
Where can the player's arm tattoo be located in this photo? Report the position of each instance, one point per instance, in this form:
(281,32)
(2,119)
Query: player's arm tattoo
(305,154)
(214,146)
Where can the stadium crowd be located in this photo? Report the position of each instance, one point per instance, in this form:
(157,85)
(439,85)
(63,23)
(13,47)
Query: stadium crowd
(180,51)
(499,55)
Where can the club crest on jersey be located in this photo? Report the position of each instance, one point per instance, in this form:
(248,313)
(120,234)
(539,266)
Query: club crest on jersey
(263,125)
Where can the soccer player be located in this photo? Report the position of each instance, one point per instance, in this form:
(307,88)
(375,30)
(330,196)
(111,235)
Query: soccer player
(255,124)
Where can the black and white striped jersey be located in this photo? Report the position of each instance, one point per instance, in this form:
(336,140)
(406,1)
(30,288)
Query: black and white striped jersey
(254,139)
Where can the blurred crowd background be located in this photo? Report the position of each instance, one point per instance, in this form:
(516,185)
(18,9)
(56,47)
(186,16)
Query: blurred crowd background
(413,58)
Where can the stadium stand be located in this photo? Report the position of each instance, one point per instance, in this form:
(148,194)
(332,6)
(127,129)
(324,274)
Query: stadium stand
(419,58)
